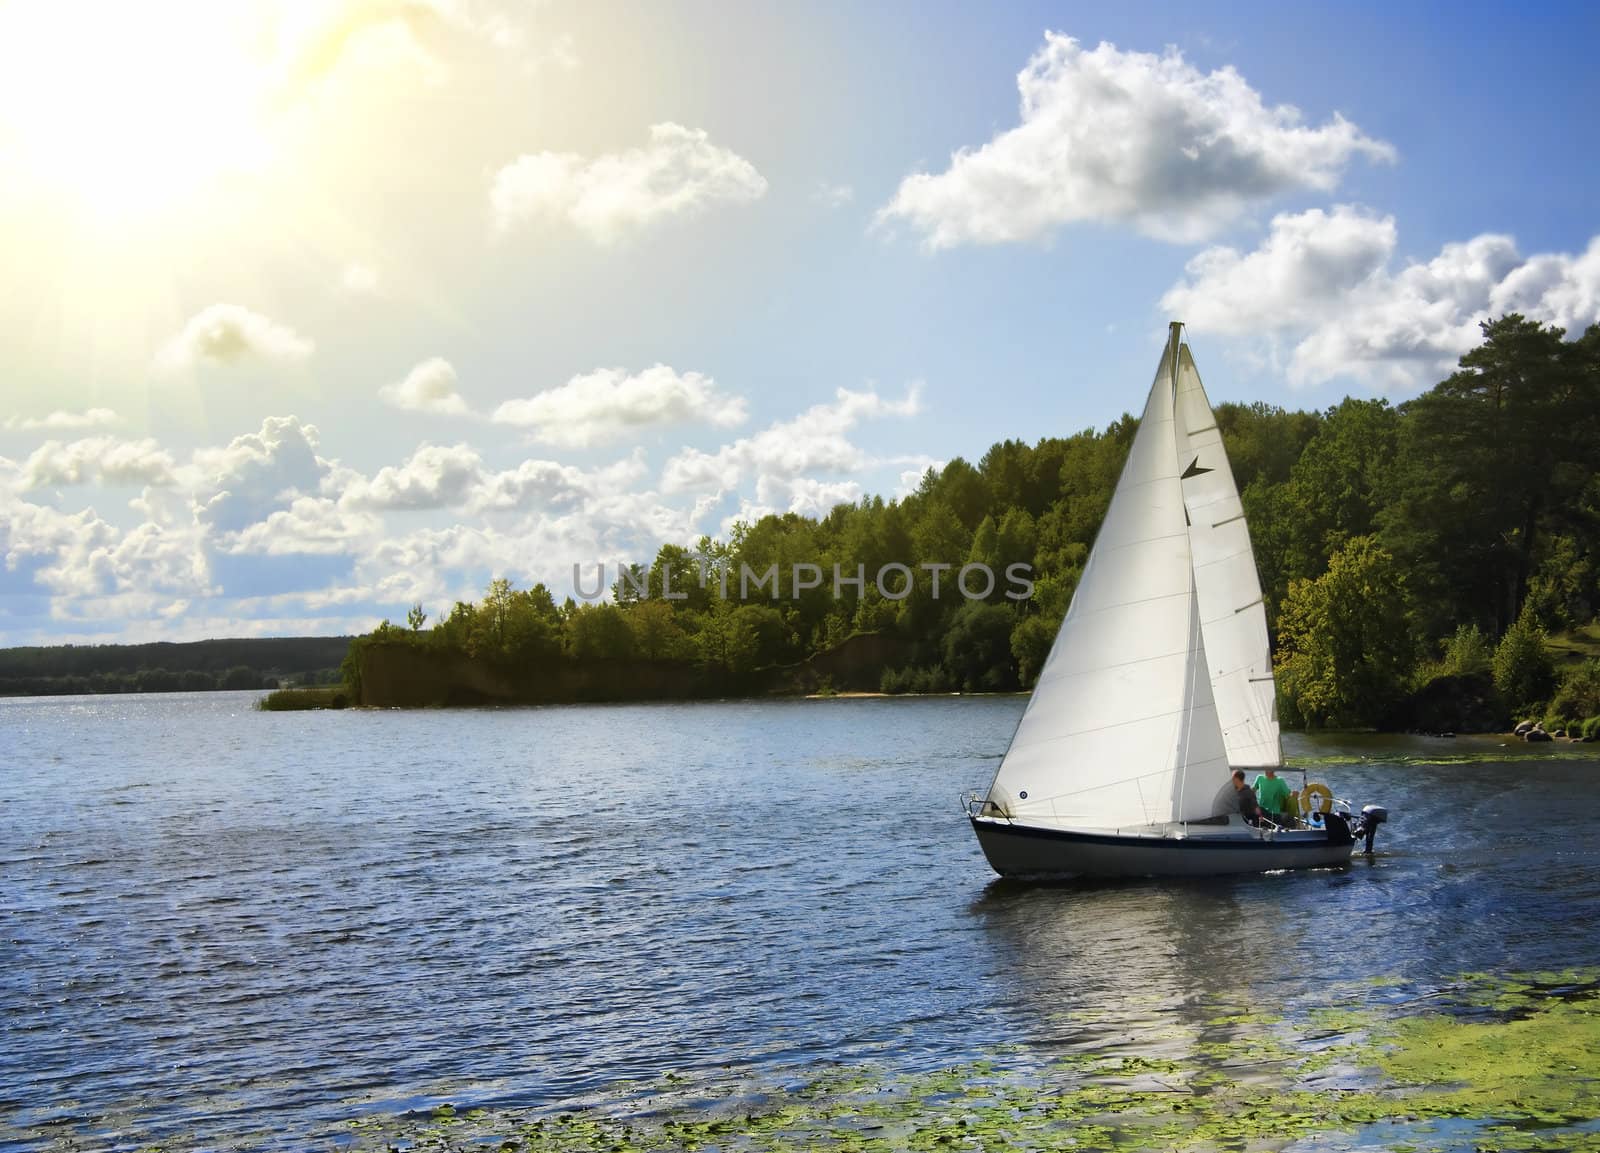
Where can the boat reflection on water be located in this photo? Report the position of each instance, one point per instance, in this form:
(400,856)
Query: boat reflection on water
(1161,971)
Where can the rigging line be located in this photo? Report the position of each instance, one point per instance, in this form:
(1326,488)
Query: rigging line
(1183,770)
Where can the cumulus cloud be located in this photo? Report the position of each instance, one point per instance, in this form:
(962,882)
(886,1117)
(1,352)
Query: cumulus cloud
(1128,138)
(1307,264)
(911,478)
(548,484)
(220,540)
(455,477)
(86,556)
(33,530)
(230,334)
(155,558)
(311,525)
(62,421)
(1321,296)
(1553,287)
(680,172)
(429,387)
(98,460)
(609,404)
(435,476)
(815,441)
(257,473)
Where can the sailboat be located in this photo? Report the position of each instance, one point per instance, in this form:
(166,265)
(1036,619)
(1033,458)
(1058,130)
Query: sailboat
(1159,684)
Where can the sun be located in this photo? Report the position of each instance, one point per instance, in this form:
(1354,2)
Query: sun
(130,108)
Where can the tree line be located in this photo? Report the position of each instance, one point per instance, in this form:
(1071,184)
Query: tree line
(1437,540)
(167,666)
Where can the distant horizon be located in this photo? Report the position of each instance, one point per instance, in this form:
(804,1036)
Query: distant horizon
(195,641)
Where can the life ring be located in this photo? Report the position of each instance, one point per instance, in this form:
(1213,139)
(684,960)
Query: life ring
(1316,798)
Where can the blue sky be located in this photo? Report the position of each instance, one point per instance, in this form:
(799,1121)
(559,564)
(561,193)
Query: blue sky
(316,310)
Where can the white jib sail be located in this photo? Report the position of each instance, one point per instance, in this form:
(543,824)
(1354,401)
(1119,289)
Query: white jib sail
(1121,729)
(1233,616)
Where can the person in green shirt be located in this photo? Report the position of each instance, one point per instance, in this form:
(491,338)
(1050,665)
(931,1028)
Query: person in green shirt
(1272,791)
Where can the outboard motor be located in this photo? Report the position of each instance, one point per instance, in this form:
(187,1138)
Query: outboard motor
(1371,817)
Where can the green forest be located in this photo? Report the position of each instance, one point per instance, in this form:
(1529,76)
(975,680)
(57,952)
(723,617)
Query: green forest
(1430,564)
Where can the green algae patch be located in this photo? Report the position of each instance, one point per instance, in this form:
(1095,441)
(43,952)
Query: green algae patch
(1501,1064)
(1541,1066)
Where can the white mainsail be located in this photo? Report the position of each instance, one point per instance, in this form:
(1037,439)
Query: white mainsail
(1233,616)
(1121,729)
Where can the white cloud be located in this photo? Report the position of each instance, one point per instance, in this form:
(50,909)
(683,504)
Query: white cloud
(911,478)
(454,477)
(154,558)
(435,476)
(814,441)
(609,404)
(86,556)
(680,172)
(833,195)
(1320,294)
(61,421)
(231,333)
(257,473)
(39,531)
(535,484)
(807,495)
(1130,138)
(429,387)
(1307,264)
(311,525)
(1555,288)
(431,528)
(98,460)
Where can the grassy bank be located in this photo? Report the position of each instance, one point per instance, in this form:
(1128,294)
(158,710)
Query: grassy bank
(296,700)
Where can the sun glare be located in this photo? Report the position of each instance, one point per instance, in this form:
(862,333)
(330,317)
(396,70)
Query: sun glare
(129,109)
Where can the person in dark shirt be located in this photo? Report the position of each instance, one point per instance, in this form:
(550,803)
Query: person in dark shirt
(1237,797)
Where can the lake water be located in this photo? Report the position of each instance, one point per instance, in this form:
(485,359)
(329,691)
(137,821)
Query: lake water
(233,928)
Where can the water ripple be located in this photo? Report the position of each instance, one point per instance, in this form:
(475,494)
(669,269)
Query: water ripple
(217,921)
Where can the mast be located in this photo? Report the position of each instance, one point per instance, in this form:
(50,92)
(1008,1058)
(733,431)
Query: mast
(1174,337)
(1174,342)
